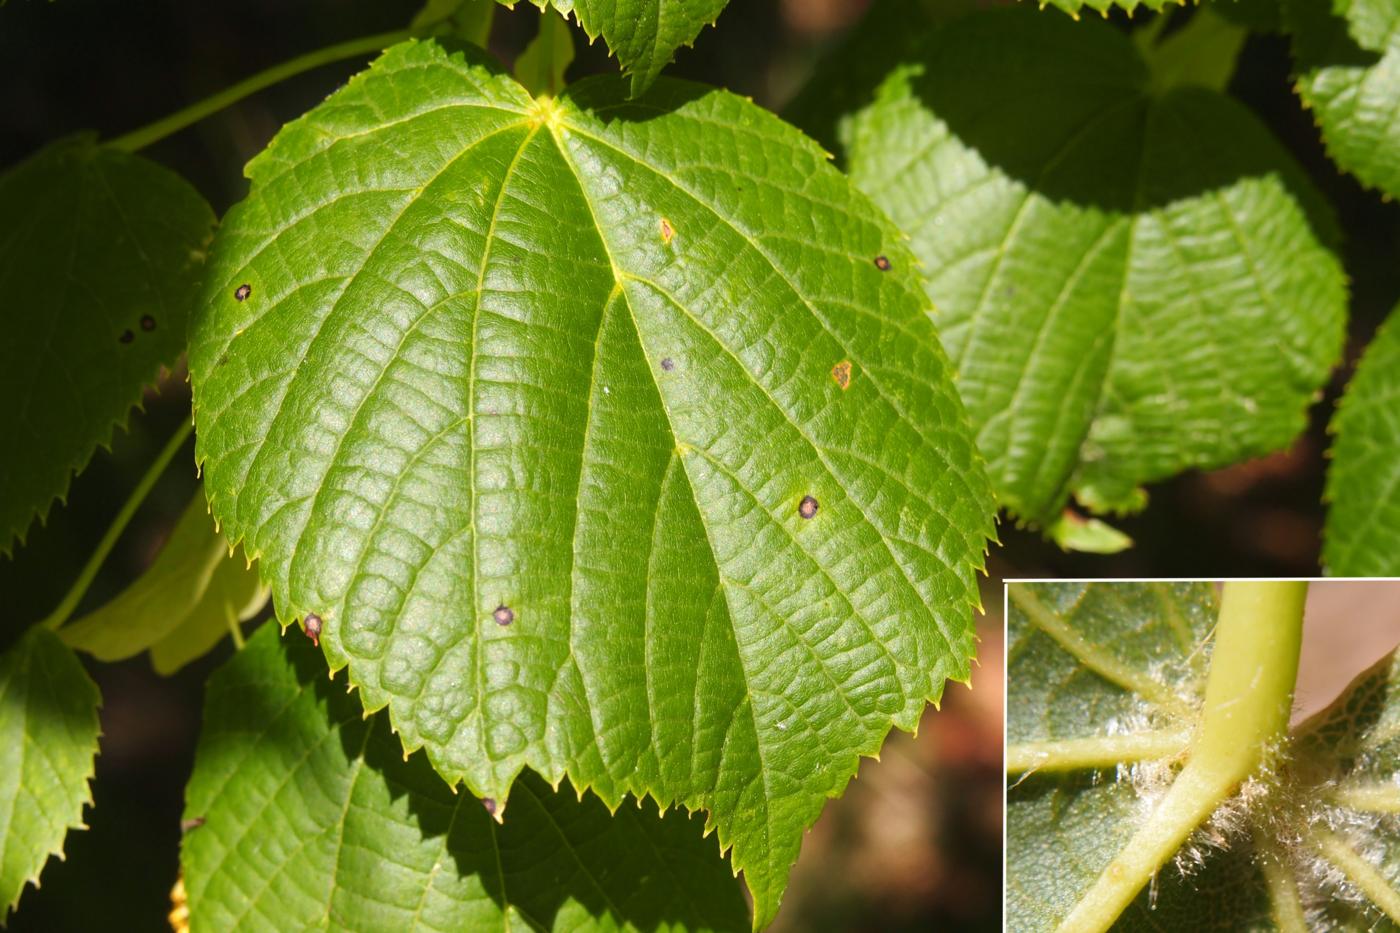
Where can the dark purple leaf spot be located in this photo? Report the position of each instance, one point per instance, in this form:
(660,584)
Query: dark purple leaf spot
(313,628)
(489,804)
(503,615)
(808,507)
(882,264)
(668,364)
(243,291)
(148,323)
(127,336)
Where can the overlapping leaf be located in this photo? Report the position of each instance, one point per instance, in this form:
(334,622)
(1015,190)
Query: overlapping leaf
(1363,481)
(1113,664)
(48,738)
(185,602)
(1347,53)
(643,34)
(609,439)
(1075,7)
(1131,283)
(99,256)
(308,817)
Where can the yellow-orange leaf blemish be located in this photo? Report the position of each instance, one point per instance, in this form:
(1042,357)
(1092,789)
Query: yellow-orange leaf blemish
(841,374)
(667,231)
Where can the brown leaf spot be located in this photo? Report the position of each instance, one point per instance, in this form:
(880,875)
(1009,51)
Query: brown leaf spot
(841,374)
(668,364)
(882,264)
(148,323)
(313,628)
(667,231)
(193,822)
(242,292)
(808,507)
(504,615)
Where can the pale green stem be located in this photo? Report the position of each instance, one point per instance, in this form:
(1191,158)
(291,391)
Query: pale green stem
(235,630)
(139,139)
(1286,904)
(1358,871)
(1097,752)
(1378,798)
(1249,694)
(138,495)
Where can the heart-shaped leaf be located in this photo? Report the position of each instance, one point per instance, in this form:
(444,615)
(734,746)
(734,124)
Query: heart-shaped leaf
(305,816)
(609,439)
(100,252)
(1129,278)
(48,739)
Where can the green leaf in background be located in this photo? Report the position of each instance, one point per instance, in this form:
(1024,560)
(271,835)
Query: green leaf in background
(1362,537)
(461,19)
(540,68)
(192,595)
(311,818)
(48,739)
(606,439)
(643,34)
(1104,686)
(100,253)
(1131,284)
(1347,55)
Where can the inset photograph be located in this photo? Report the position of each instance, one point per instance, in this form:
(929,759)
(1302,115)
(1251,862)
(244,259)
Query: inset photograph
(1203,755)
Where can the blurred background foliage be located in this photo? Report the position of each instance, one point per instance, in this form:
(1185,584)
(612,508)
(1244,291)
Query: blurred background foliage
(916,842)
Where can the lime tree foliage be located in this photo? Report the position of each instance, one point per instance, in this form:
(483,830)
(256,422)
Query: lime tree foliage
(606,438)
(611,442)
(1131,275)
(99,259)
(1106,687)
(306,815)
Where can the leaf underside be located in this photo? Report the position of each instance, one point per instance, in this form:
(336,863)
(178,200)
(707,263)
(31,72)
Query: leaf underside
(1245,867)
(643,34)
(100,252)
(1130,284)
(1362,537)
(312,819)
(1347,57)
(181,606)
(48,740)
(527,401)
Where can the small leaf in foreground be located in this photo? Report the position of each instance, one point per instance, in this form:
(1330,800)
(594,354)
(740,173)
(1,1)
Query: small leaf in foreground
(448,394)
(311,818)
(184,604)
(48,739)
(100,253)
(1131,281)
(1362,537)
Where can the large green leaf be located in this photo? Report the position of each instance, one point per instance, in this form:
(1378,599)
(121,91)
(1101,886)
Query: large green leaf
(188,599)
(48,738)
(309,817)
(1363,482)
(1104,690)
(643,34)
(99,256)
(597,438)
(1347,53)
(1131,282)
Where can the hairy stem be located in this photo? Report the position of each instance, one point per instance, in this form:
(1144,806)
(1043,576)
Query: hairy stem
(1358,871)
(1104,751)
(139,139)
(138,495)
(1249,693)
